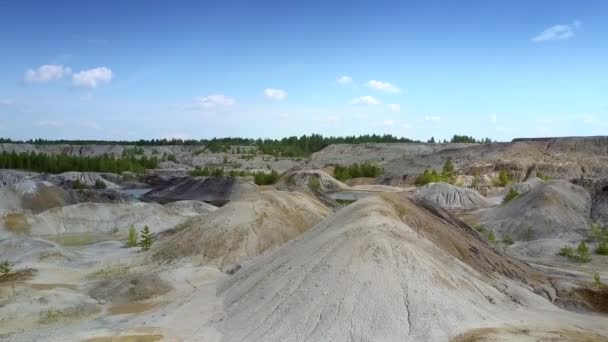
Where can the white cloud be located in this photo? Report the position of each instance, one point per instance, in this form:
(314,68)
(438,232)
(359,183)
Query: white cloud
(383,86)
(493,118)
(93,77)
(388,122)
(275,94)
(345,80)
(46,73)
(394,107)
(218,101)
(55,124)
(558,32)
(365,100)
(432,118)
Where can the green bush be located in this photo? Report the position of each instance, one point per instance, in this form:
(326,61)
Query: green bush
(172,158)
(132,240)
(503,179)
(447,175)
(597,282)
(568,252)
(263,178)
(207,172)
(543,176)
(146,239)
(511,195)
(580,254)
(5,267)
(508,240)
(480,228)
(366,169)
(314,183)
(491,237)
(78,185)
(100,185)
(602,248)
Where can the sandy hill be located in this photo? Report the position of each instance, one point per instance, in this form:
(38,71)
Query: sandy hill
(452,197)
(385,268)
(244,228)
(32,195)
(308,178)
(94,218)
(555,210)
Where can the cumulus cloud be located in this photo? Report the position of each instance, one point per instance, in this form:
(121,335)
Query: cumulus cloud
(275,94)
(394,107)
(388,122)
(216,101)
(432,118)
(345,80)
(558,32)
(92,78)
(46,73)
(383,86)
(365,100)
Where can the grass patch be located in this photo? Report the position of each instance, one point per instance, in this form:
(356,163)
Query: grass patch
(511,195)
(109,272)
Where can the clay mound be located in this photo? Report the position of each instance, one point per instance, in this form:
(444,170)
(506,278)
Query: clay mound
(553,210)
(307,178)
(91,218)
(245,228)
(10,177)
(87,178)
(31,195)
(452,197)
(385,268)
(598,188)
(213,190)
(191,208)
(527,185)
(19,250)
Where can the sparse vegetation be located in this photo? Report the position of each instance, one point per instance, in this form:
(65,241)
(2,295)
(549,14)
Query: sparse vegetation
(132,239)
(503,179)
(263,178)
(491,237)
(5,267)
(597,282)
(543,176)
(314,183)
(100,185)
(446,175)
(580,254)
(480,228)
(507,240)
(208,172)
(602,248)
(511,195)
(78,185)
(172,158)
(146,239)
(366,169)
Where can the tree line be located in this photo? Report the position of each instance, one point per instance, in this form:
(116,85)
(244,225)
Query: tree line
(59,163)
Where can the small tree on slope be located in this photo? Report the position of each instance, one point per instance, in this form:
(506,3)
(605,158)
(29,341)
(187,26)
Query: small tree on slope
(146,239)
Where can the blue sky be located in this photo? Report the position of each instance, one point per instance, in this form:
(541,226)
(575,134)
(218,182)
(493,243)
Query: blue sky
(199,69)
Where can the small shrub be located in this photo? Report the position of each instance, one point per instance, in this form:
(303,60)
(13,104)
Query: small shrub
(146,239)
(491,237)
(132,240)
(314,183)
(78,185)
(263,178)
(508,240)
(511,195)
(543,176)
(596,233)
(480,228)
(597,282)
(568,252)
(602,248)
(503,179)
(366,169)
(5,267)
(583,252)
(172,158)
(100,185)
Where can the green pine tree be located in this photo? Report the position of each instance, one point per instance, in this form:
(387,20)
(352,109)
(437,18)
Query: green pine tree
(146,239)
